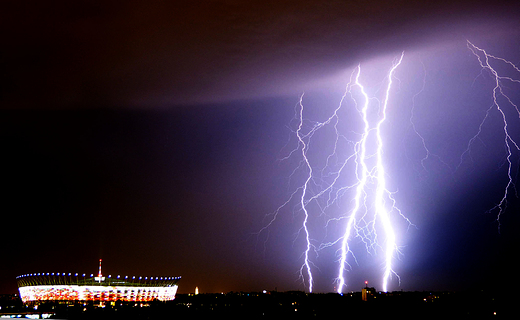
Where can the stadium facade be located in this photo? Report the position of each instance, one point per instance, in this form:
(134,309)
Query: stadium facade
(39,287)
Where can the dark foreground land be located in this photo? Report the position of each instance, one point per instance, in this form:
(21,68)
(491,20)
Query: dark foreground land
(295,305)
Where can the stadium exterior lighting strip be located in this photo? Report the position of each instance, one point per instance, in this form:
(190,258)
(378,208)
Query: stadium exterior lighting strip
(76,287)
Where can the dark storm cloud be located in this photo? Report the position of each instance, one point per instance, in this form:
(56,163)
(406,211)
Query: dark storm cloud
(142,53)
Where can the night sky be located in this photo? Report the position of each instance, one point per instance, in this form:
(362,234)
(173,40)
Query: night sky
(150,133)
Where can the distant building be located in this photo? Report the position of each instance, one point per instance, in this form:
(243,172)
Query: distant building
(367,293)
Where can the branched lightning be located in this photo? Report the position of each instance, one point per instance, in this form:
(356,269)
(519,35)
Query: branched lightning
(484,60)
(305,228)
(365,219)
(368,217)
(375,175)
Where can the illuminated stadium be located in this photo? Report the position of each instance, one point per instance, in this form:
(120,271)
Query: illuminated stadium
(38,287)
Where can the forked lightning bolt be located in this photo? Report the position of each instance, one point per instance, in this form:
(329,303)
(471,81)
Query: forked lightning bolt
(306,264)
(356,171)
(366,160)
(368,176)
(485,60)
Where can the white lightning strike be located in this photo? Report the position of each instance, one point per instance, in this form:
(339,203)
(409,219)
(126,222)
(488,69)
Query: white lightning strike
(484,60)
(371,217)
(302,201)
(371,175)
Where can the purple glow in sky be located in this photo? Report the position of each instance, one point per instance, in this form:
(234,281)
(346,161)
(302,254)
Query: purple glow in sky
(150,134)
(343,202)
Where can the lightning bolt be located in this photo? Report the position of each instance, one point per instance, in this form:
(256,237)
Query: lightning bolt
(362,181)
(485,60)
(366,160)
(368,175)
(370,215)
(381,190)
(307,264)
